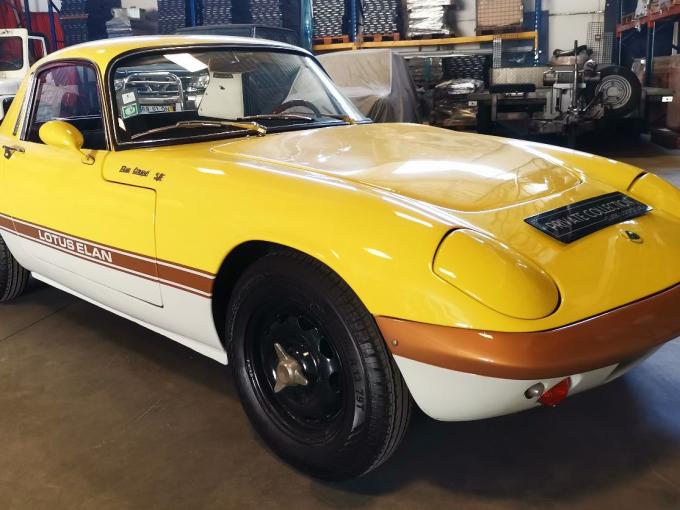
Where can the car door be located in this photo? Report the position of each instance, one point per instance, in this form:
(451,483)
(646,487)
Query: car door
(64,212)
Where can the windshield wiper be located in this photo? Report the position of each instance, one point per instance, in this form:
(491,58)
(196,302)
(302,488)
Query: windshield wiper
(253,127)
(296,116)
(277,116)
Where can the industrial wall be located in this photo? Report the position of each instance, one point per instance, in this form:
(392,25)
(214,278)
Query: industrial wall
(570,20)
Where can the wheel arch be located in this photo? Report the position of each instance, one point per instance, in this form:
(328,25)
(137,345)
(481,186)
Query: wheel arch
(235,263)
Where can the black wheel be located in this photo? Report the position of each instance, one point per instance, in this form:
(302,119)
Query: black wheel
(13,277)
(312,370)
(620,90)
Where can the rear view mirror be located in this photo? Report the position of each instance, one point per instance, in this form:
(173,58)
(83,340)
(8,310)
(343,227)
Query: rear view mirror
(62,135)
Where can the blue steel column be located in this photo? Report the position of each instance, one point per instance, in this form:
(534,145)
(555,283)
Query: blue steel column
(538,12)
(354,20)
(53,28)
(192,13)
(27,15)
(306,24)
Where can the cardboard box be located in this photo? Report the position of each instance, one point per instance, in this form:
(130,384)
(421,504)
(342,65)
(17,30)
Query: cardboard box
(666,74)
(496,14)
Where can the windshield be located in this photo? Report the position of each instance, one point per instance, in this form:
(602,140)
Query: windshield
(167,93)
(11,53)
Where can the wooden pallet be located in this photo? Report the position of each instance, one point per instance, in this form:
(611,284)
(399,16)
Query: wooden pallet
(393,36)
(331,39)
(507,29)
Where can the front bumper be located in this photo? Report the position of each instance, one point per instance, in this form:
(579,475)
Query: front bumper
(465,374)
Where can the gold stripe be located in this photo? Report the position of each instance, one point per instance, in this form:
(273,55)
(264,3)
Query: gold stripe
(178,276)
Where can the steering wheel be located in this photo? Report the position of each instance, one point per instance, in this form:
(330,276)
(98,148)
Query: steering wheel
(287,105)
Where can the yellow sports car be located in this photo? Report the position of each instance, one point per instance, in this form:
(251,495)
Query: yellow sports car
(221,192)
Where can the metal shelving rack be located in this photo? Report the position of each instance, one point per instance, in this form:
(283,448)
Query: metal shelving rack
(431,46)
(428,43)
(52,12)
(648,26)
(193,8)
(355,43)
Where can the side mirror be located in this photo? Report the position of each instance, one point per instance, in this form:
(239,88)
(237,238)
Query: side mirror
(62,135)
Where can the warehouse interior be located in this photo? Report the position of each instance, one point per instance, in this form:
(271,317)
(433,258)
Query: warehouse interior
(100,412)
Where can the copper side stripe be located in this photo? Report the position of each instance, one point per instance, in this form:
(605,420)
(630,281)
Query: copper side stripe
(103,245)
(613,337)
(6,223)
(176,265)
(86,249)
(181,277)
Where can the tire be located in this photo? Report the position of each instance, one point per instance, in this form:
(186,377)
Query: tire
(355,408)
(13,277)
(628,87)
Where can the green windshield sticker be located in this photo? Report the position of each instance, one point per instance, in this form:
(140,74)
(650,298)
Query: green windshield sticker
(130,110)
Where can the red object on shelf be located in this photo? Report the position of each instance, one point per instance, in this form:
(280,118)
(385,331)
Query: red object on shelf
(12,16)
(40,23)
(555,395)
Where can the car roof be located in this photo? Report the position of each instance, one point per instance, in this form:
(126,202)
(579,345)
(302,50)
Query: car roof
(103,51)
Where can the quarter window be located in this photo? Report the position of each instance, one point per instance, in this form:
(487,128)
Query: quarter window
(69,93)
(36,50)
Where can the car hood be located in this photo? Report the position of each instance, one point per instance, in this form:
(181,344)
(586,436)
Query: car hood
(458,171)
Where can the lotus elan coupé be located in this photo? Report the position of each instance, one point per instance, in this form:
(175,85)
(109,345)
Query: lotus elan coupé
(222,192)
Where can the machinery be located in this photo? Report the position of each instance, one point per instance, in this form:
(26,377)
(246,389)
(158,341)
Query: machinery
(574,95)
(584,93)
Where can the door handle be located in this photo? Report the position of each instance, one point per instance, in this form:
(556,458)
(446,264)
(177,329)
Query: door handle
(9,150)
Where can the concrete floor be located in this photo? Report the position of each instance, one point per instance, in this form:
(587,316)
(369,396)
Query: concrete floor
(98,413)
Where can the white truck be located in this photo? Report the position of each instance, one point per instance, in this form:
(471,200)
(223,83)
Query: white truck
(18,52)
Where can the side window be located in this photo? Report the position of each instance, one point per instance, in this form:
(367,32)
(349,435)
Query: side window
(35,50)
(11,53)
(69,93)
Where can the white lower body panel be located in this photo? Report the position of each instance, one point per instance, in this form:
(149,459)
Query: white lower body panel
(449,395)
(212,349)
(185,317)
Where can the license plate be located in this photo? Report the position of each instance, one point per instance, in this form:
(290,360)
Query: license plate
(150,108)
(667,99)
(574,221)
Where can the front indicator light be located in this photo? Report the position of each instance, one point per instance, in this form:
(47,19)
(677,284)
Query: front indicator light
(555,395)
